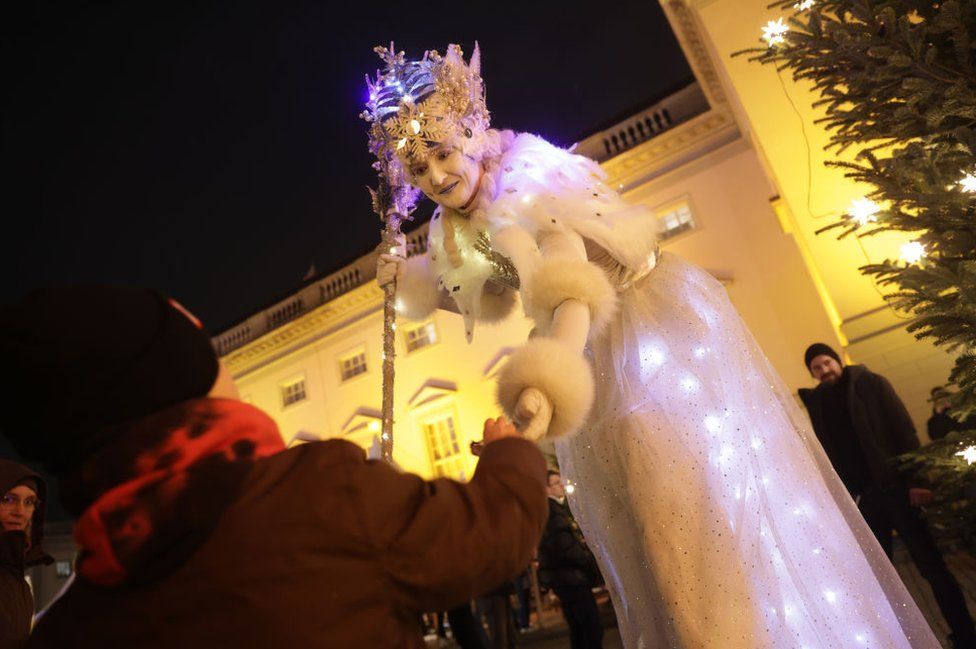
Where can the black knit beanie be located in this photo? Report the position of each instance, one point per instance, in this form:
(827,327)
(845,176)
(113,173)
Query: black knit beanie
(79,360)
(819,349)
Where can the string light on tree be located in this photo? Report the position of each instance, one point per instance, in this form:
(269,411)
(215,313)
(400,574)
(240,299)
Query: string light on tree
(864,211)
(912,252)
(968,183)
(968,454)
(774,33)
(803,5)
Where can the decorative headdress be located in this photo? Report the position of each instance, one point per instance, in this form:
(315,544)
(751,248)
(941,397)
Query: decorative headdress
(416,106)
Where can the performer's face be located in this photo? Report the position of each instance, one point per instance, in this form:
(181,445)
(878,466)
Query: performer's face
(448,177)
(826,369)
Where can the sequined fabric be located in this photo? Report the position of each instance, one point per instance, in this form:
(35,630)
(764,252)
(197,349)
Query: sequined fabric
(714,514)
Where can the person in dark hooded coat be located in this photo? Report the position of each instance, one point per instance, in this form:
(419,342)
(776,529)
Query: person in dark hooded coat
(198,529)
(21,533)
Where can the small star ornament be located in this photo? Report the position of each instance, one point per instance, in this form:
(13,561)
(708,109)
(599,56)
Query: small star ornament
(968,184)
(968,454)
(774,33)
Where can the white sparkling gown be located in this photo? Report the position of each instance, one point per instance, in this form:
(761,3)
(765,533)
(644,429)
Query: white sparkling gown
(711,507)
(716,518)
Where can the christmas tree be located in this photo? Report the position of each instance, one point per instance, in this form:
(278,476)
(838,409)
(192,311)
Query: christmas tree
(897,85)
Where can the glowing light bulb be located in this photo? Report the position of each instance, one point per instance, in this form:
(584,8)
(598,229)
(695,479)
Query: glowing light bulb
(385,437)
(803,5)
(570,488)
(689,384)
(774,32)
(968,454)
(830,596)
(655,356)
(374,426)
(756,443)
(864,211)
(968,183)
(713,424)
(700,352)
(912,252)
(393,326)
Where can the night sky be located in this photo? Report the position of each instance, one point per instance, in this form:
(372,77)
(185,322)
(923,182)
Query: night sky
(214,150)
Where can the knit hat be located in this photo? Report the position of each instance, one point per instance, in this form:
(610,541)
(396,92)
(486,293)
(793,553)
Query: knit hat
(819,349)
(79,360)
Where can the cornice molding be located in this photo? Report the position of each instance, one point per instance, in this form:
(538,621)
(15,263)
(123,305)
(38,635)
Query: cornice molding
(673,148)
(689,32)
(320,322)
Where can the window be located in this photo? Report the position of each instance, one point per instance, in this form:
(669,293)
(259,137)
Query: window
(445,451)
(353,364)
(63,569)
(676,219)
(293,392)
(419,335)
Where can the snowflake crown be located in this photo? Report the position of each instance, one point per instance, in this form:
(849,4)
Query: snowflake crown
(416,106)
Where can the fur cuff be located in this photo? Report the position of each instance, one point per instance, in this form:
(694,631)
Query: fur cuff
(564,377)
(556,280)
(416,289)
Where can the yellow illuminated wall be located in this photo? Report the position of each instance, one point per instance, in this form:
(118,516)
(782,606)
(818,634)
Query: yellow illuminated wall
(776,116)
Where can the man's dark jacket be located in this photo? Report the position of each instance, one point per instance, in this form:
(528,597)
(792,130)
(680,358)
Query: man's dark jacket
(564,559)
(16,601)
(880,420)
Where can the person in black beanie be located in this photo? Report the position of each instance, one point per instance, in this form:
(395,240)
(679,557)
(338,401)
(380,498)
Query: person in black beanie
(198,529)
(862,424)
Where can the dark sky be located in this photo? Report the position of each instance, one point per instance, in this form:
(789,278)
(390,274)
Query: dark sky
(213,150)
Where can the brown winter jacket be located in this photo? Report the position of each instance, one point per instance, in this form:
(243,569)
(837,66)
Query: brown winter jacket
(881,422)
(16,601)
(324,548)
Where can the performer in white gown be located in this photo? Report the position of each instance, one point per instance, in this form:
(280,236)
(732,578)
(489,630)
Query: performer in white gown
(715,516)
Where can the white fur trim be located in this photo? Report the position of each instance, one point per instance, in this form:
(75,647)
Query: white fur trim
(556,280)
(563,376)
(416,289)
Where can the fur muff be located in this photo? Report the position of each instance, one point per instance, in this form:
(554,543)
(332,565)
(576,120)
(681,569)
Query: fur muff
(416,289)
(563,376)
(556,280)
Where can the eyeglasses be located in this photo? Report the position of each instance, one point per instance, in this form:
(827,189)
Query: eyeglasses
(11,500)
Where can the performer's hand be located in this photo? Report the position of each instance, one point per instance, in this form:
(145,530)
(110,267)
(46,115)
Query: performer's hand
(533,413)
(496,429)
(388,268)
(919,497)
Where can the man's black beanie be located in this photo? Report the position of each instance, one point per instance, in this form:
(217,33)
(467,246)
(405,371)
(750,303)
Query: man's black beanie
(819,349)
(79,360)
